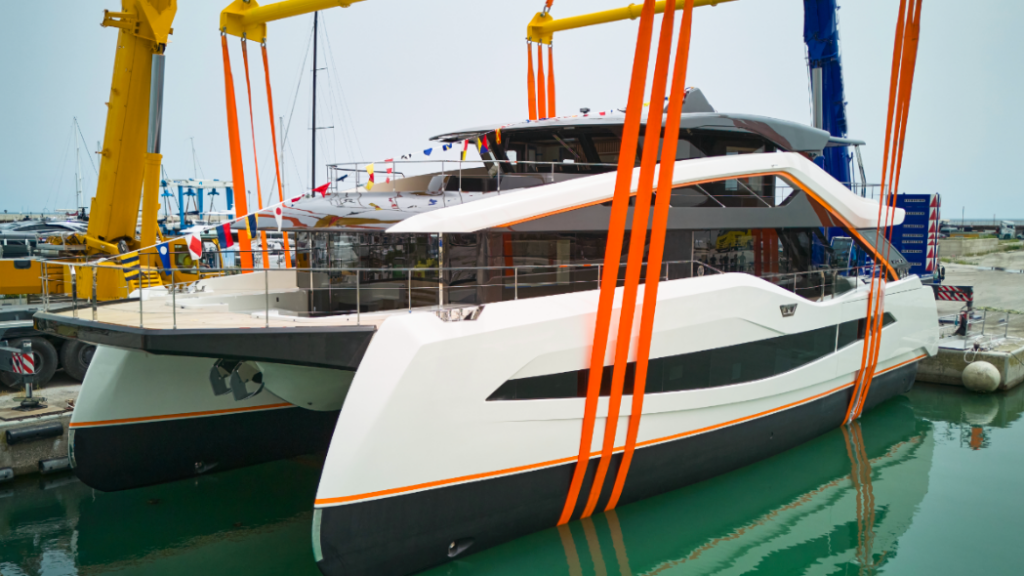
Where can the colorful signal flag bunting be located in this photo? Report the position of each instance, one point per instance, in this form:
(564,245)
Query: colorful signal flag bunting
(195,246)
(369,172)
(165,255)
(251,225)
(224,236)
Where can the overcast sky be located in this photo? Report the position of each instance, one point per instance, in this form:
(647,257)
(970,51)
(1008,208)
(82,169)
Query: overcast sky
(400,71)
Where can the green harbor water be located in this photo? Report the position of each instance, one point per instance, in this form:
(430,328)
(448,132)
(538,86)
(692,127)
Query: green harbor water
(925,484)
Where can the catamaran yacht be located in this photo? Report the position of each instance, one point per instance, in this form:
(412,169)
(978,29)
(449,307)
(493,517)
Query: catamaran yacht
(435,336)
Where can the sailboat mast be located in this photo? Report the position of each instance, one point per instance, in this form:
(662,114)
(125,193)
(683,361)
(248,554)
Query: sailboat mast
(312,183)
(78,168)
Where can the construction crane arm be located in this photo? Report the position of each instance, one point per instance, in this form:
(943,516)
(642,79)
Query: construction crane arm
(247,19)
(129,149)
(543,26)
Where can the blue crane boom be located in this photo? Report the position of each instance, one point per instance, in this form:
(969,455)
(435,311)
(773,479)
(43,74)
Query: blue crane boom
(821,35)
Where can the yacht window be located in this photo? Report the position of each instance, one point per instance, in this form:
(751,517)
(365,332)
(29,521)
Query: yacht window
(798,259)
(705,369)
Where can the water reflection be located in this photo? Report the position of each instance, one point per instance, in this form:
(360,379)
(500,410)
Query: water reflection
(965,417)
(838,504)
(841,504)
(255,519)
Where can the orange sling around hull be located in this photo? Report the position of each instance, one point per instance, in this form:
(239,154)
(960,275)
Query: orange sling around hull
(613,251)
(237,173)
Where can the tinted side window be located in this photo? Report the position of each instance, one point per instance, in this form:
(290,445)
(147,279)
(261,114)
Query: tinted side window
(853,330)
(704,369)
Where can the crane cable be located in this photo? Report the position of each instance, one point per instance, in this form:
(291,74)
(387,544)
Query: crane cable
(237,171)
(613,252)
(273,137)
(900,85)
(255,158)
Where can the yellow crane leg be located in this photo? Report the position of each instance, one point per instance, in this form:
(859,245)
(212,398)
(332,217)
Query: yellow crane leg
(115,208)
(543,26)
(150,205)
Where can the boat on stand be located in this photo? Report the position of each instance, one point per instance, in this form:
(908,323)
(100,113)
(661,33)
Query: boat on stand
(435,334)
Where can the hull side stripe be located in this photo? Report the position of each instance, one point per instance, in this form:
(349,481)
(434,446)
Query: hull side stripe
(549,463)
(176,416)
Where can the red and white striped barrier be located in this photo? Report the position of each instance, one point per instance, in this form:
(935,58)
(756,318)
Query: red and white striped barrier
(954,293)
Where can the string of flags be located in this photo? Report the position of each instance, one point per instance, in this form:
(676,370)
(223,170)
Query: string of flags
(223,229)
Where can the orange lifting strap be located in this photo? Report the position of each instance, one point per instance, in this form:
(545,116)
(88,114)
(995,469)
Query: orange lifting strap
(541,100)
(656,251)
(542,105)
(255,158)
(634,262)
(237,172)
(904,62)
(531,89)
(613,251)
(551,82)
(277,164)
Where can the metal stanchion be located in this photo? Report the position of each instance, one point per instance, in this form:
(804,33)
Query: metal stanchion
(95,272)
(266,295)
(74,292)
(46,289)
(409,290)
(515,274)
(358,303)
(174,302)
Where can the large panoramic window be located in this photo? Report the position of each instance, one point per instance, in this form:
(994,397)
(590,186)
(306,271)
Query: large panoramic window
(705,369)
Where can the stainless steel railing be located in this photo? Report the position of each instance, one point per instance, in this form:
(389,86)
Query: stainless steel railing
(352,292)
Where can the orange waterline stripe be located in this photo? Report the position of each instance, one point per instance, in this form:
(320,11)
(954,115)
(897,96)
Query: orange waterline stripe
(567,459)
(176,416)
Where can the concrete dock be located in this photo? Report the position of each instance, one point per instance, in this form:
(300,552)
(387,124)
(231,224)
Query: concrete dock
(24,457)
(997,328)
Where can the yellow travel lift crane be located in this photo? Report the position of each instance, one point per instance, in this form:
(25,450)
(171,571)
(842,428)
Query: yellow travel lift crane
(129,175)
(130,159)
(129,170)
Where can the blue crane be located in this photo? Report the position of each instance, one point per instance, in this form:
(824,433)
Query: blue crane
(821,35)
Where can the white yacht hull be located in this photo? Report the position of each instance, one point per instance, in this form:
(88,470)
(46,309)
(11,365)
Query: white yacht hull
(142,419)
(423,467)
